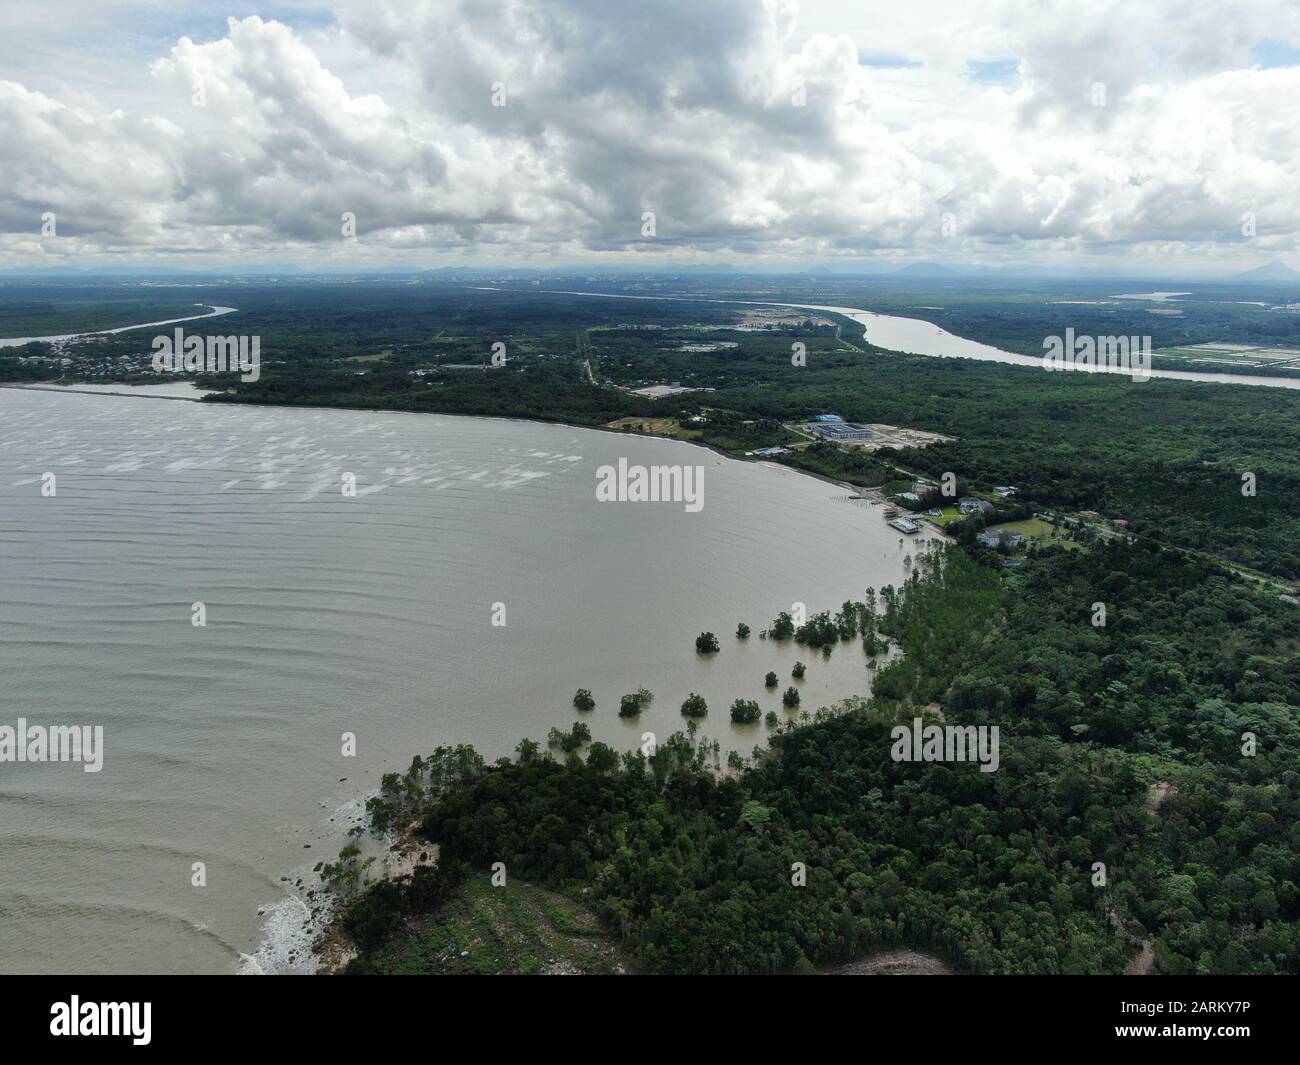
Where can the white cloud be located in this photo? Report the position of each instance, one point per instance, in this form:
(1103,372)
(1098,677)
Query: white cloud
(685,109)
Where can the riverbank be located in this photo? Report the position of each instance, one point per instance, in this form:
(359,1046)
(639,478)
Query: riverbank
(129,390)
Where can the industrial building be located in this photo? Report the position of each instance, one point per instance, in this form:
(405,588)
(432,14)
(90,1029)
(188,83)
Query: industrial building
(839,431)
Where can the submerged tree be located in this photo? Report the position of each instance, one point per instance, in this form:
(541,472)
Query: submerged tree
(819,630)
(694,706)
(706,643)
(569,741)
(783,627)
(634,702)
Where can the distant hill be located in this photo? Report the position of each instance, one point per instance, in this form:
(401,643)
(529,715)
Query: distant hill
(924,270)
(1274,271)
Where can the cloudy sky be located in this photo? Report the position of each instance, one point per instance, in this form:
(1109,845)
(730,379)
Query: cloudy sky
(1140,134)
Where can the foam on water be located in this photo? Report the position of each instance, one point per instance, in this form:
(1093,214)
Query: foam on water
(290,927)
(287,936)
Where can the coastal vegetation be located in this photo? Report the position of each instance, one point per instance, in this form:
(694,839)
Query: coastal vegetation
(570,741)
(1122,749)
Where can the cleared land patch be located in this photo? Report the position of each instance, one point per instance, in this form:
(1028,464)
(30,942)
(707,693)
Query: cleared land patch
(518,928)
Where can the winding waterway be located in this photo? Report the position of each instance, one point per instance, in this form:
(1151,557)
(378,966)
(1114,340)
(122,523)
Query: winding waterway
(914,336)
(215,312)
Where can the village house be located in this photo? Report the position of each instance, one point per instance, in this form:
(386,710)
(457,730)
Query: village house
(995,538)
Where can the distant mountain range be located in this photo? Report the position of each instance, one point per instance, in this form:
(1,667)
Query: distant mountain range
(1274,271)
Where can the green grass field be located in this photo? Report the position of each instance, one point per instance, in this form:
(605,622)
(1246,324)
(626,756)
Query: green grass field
(1039,531)
(949,514)
(1034,528)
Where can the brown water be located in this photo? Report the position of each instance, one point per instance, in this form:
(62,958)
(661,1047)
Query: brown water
(328,614)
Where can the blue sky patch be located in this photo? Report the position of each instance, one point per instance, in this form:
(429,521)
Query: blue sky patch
(994,71)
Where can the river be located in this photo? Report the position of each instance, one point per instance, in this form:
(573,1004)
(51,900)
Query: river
(215,312)
(914,336)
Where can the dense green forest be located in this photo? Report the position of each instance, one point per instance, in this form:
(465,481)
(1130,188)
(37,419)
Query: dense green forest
(1162,745)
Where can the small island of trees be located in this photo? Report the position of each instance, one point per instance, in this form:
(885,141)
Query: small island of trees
(634,702)
(706,643)
(694,706)
(745,712)
(583,700)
